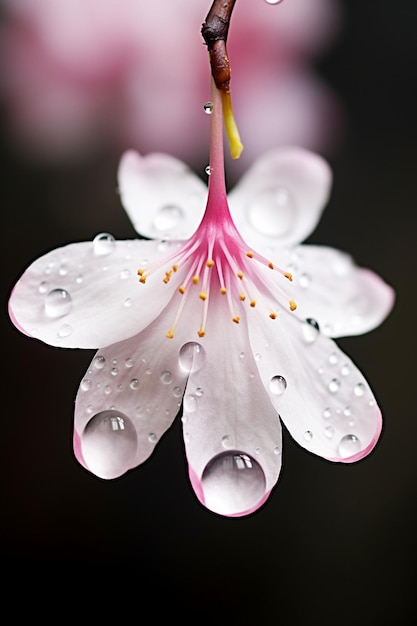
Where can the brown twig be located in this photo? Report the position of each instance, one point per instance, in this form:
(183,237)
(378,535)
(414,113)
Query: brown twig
(214,30)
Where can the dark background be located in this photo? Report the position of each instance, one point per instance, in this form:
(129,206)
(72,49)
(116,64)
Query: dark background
(334,543)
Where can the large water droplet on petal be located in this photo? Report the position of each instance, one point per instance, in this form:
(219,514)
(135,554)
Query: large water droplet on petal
(208,108)
(348,446)
(232,483)
(109,443)
(168,217)
(277,385)
(103,244)
(272,213)
(274,1)
(311,330)
(58,302)
(192,356)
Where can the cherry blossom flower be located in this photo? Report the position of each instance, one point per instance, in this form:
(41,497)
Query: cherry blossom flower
(80,74)
(226,316)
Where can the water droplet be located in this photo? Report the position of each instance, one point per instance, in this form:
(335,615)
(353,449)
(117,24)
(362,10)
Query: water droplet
(107,390)
(274,1)
(359,390)
(65,331)
(191,356)
(199,392)
(242,355)
(232,482)
(58,302)
(329,432)
(327,413)
(177,391)
(190,403)
(43,287)
(308,435)
(79,279)
(134,383)
(311,330)
(304,280)
(99,362)
(128,303)
(273,212)
(345,370)
(129,362)
(166,378)
(227,441)
(208,108)
(277,450)
(103,244)
(152,438)
(208,170)
(348,446)
(168,217)
(114,371)
(63,270)
(277,385)
(124,274)
(333,358)
(347,411)
(334,385)
(109,444)
(86,384)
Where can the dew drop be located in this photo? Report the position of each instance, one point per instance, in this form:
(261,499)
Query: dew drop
(334,385)
(129,362)
(329,432)
(348,446)
(208,108)
(227,441)
(191,356)
(345,370)
(58,302)
(63,270)
(152,438)
(273,212)
(208,170)
(277,450)
(177,391)
(86,384)
(107,390)
(134,383)
(109,443)
(232,482)
(359,390)
(333,358)
(99,362)
(166,378)
(128,303)
(199,392)
(308,435)
(274,1)
(43,287)
(103,244)
(327,413)
(304,280)
(311,330)
(65,331)
(114,371)
(277,385)
(168,217)
(124,274)
(190,403)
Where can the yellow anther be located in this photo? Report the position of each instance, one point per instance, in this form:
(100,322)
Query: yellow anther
(175,268)
(201,333)
(288,275)
(242,297)
(223,290)
(249,254)
(142,279)
(253,303)
(203,295)
(170,334)
(181,289)
(271,265)
(195,279)
(141,272)
(166,279)
(273,315)
(293,305)
(240,274)
(236,319)
(210,263)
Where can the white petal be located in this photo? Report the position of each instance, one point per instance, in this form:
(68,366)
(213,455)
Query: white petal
(280,199)
(232,433)
(129,397)
(87,295)
(162,196)
(329,288)
(321,396)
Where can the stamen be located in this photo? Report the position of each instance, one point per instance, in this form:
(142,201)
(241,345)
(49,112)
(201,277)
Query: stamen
(293,305)
(232,132)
